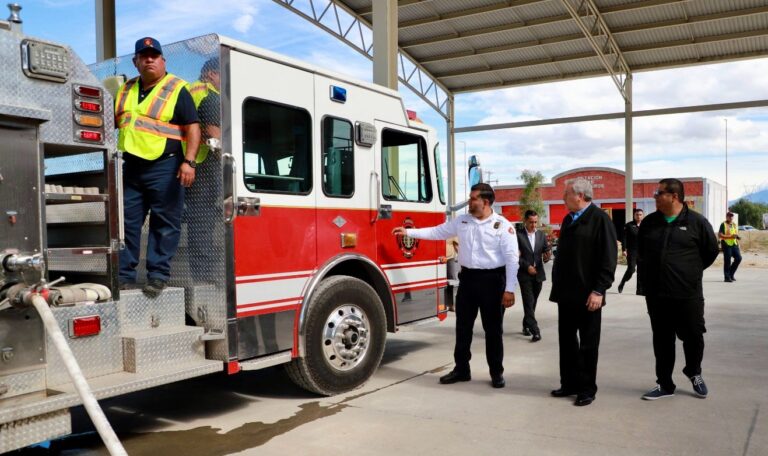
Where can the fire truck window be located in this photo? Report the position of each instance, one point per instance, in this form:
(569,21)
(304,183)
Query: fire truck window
(277,147)
(405,167)
(338,158)
(439,171)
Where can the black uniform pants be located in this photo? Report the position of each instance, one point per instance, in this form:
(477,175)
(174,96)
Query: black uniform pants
(579,334)
(672,318)
(529,290)
(631,266)
(480,289)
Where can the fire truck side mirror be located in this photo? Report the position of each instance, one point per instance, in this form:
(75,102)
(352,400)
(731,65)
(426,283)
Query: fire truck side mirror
(475,172)
(112,84)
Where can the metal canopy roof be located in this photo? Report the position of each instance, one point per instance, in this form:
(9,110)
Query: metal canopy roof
(471,45)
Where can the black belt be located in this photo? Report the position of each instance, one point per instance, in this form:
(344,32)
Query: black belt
(481,271)
(128,157)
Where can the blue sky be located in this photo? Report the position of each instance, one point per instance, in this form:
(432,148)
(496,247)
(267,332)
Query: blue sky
(685,145)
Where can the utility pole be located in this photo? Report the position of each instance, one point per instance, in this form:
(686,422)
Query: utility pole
(726,164)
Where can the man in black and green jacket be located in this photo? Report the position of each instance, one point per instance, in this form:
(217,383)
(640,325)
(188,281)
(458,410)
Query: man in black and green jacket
(676,245)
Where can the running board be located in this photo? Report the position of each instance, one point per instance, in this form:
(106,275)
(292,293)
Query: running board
(418,324)
(111,385)
(266,361)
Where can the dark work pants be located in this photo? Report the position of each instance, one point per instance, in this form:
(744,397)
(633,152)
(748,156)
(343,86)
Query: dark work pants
(151,188)
(529,290)
(579,333)
(730,253)
(682,318)
(480,289)
(631,266)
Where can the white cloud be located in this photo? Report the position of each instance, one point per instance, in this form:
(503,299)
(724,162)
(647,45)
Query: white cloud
(243,23)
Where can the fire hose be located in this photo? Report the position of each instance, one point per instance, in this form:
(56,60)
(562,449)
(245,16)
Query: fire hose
(95,412)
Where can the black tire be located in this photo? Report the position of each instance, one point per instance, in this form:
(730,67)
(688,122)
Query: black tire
(323,370)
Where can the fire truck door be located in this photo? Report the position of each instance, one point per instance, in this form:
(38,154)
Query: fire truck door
(275,246)
(406,198)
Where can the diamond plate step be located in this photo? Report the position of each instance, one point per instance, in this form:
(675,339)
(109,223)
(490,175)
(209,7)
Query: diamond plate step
(162,347)
(138,312)
(27,431)
(19,383)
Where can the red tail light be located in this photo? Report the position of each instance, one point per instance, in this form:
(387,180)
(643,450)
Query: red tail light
(87,135)
(85,326)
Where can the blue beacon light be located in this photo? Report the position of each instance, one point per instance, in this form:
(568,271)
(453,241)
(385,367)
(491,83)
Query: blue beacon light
(338,94)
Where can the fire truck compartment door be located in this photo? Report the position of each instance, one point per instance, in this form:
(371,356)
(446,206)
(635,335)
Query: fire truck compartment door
(273,139)
(407,198)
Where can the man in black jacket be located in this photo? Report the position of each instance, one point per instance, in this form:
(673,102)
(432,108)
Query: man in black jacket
(676,245)
(534,252)
(629,247)
(583,271)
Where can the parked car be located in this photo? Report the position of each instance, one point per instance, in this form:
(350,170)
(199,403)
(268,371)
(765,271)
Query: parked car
(747,228)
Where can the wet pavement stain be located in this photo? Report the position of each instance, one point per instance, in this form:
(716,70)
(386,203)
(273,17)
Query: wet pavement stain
(203,441)
(210,441)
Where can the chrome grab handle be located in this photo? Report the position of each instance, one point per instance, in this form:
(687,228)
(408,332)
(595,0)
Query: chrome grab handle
(119,196)
(377,196)
(230,190)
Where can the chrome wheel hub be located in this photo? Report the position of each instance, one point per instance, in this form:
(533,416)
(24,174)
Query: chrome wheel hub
(345,337)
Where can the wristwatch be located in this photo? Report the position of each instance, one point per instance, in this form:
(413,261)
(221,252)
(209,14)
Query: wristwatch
(191,163)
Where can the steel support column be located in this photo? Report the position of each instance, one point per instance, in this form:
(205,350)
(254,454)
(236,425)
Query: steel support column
(385,43)
(450,124)
(628,159)
(106,47)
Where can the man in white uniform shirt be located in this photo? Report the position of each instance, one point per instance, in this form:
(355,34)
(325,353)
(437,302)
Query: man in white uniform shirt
(488,255)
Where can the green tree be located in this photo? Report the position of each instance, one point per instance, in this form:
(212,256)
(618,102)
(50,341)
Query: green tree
(530,198)
(749,213)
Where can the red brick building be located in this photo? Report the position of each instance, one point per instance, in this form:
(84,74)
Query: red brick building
(703,195)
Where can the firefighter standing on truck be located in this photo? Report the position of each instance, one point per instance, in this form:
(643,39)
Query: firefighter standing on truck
(159,136)
(201,199)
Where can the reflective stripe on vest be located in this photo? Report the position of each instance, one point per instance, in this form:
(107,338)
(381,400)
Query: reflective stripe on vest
(731,229)
(199,90)
(144,126)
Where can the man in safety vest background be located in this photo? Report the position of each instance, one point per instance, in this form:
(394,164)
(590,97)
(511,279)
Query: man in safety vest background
(202,200)
(159,135)
(729,241)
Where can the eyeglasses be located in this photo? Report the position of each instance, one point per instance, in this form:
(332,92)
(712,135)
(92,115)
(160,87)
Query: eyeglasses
(658,193)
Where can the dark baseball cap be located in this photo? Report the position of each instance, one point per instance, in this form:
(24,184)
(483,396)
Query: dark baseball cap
(148,43)
(729,213)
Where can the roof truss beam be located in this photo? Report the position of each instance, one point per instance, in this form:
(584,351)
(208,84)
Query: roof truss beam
(617,115)
(465,13)
(368,10)
(533,44)
(434,93)
(543,21)
(586,55)
(592,24)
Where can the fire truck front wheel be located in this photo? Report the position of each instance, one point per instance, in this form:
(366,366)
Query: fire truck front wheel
(345,334)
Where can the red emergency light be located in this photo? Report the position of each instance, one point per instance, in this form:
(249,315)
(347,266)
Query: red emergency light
(90,135)
(91,92)
(411,114)
(85,326)
(89,106)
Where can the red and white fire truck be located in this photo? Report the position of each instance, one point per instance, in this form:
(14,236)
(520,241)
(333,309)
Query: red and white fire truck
(286,256)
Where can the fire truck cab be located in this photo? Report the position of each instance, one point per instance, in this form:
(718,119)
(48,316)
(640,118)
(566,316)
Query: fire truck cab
(287,254)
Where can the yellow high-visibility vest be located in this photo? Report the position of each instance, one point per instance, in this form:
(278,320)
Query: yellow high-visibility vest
(145,127)
(731,229)
(199,90)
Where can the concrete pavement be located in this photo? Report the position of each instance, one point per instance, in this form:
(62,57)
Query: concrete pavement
(404,411)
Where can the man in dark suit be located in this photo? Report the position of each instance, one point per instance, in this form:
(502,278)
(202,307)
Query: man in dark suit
(629,248)
(534,252)
(582,273)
